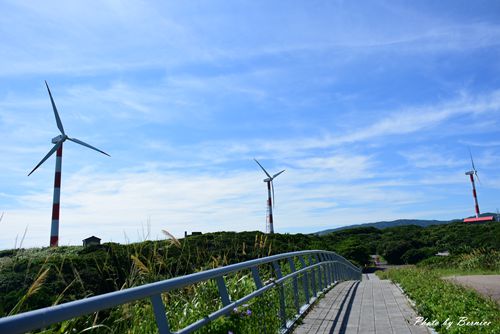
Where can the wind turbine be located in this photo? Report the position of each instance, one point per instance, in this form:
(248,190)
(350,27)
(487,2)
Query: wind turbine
(58,146)
(471,174)
(270,202)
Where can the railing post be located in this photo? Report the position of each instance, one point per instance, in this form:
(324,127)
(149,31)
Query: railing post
(256,277)
(160,315)
(295,285)
(305,280)
(322,272)
(320,280)
(337,273)
(329,270)
(281,290)
(325,271)
(313,277)
(324,279)
(224,296)
(332,272)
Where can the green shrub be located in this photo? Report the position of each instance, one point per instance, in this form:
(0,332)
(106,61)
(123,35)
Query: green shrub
(393,251)
(413,256)
(486,260)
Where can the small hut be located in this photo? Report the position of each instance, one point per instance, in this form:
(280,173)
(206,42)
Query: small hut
(193,233)
(91,241)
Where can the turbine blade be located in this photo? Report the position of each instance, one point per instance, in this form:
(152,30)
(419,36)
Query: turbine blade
(472,160)
(278,173)
(265,171)
(56,114)
(89,146)
(477,177)
(56,146)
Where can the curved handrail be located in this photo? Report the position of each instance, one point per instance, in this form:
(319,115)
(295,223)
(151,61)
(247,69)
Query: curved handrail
(44,317)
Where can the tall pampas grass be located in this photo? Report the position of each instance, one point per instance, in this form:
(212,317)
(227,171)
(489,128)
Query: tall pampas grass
(175,241)
(33,289)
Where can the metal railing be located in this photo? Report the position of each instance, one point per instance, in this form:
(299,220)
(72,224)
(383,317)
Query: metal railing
(319,271)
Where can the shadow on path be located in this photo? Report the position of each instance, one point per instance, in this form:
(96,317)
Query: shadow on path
(347,312)
(371,306)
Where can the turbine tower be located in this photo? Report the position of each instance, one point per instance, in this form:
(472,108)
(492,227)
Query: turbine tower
(270,202)
(471,174)
(58,146)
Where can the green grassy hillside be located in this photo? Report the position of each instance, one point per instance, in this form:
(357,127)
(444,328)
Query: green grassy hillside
(34,278)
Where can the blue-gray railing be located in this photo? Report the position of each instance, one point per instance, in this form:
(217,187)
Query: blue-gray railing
(319,270)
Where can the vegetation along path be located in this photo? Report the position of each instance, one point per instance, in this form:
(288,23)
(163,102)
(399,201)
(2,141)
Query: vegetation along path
(370,306)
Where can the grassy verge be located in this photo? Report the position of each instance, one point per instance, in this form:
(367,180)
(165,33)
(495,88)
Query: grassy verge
(449,307)
(461,272)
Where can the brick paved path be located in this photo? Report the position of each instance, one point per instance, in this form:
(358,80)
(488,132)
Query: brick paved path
(371,306)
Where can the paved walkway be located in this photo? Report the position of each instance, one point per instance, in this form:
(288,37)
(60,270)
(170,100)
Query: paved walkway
(487,285)
(371,306)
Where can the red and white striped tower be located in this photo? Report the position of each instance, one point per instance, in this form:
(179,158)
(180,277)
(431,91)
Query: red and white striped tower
(474,194)
(270,199)
(270,226)
(58,147)
(54,228)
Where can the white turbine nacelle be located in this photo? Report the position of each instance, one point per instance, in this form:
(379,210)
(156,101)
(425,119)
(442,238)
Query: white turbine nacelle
(469,172)
(59,138)
(268,179)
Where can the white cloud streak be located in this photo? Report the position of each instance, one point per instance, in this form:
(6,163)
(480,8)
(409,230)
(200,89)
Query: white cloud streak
(113,36)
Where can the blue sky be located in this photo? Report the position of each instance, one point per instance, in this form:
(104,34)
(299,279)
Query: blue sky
(369,106)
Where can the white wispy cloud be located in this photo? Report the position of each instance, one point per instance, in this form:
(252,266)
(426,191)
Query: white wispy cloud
(108,204)
(114,37)
(426,157)
(343,166)
(411,120)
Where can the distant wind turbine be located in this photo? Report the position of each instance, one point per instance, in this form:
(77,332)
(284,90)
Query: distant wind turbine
(471,174)
(58,146)
(270,202)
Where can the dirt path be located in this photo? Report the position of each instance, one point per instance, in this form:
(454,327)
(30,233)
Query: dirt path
(487,285)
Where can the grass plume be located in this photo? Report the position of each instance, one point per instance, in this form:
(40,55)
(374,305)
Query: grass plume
(174,239)
(34,288)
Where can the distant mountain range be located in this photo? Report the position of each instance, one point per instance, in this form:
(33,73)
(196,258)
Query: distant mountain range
(399,222)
